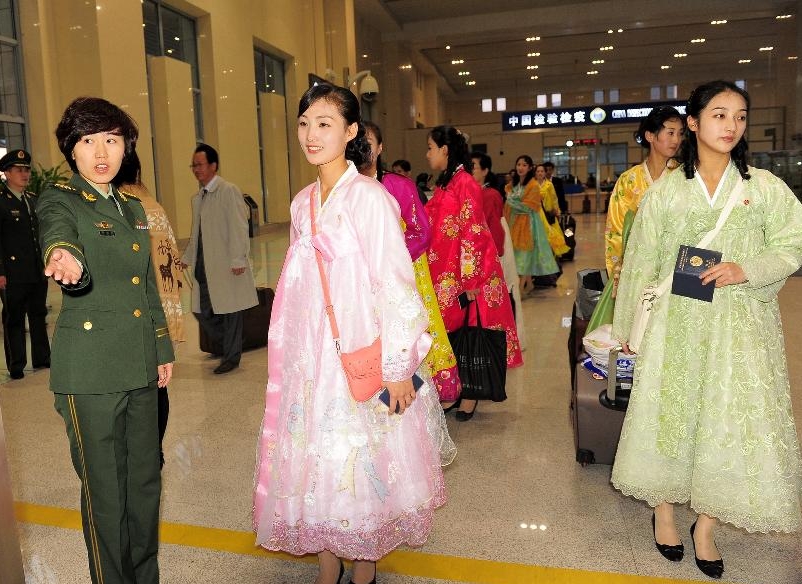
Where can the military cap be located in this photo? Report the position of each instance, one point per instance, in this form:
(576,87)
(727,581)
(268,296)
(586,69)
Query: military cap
(16,157)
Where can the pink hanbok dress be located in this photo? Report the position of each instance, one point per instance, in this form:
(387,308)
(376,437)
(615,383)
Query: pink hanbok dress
(334,474)
(417,235)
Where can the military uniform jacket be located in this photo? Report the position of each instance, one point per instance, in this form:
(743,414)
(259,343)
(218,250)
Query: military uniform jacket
(111,333)
(20,258)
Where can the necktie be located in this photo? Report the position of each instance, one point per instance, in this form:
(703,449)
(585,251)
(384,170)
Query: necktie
(116,202)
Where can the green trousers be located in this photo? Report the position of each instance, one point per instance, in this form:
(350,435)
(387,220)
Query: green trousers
(114,444)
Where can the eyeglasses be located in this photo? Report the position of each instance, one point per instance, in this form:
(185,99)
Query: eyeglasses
(198,165)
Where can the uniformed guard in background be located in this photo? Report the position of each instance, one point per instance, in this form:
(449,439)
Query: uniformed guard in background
(23,286)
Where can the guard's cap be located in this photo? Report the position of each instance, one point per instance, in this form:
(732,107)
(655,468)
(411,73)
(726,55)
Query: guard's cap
(15,158)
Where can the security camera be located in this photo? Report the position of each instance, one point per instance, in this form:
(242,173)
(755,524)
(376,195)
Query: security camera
(366,83)
(369,88)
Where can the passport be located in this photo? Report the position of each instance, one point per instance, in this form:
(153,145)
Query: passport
(692,261)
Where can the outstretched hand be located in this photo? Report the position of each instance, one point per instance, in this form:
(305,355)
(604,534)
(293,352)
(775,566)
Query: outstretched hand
(63,267)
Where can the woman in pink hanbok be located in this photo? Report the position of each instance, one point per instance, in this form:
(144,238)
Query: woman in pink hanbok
(462,256)
(337,477)
(417,234)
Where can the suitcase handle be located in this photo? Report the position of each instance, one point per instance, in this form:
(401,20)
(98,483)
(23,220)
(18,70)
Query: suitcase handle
(607,398)
(612,373)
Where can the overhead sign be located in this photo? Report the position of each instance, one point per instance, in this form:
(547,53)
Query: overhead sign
(582,116)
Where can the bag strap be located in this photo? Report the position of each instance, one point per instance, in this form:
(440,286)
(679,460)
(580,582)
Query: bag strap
(722,218)
(335,332)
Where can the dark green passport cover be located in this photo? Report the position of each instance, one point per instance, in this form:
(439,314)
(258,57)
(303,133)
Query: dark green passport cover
(692,261)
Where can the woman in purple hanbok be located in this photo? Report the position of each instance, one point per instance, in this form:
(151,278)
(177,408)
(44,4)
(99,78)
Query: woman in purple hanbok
(337,477)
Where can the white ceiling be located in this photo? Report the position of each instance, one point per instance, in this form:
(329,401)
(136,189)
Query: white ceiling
(489,36)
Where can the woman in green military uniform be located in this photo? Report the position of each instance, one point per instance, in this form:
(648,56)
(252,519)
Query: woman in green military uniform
(111,349)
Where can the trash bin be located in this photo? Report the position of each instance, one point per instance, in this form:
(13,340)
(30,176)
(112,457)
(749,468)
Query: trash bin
(253,219)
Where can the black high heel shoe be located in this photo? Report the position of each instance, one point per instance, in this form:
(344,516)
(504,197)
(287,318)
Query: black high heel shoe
(465,416)
(710,568)
(673,553)
(453,406)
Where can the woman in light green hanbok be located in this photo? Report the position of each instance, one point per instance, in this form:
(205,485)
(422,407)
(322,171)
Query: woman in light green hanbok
(710,420)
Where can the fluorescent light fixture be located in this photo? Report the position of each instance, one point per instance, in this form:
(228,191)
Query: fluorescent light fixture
(541,100)
(556,99)
(487,105)
(501,104)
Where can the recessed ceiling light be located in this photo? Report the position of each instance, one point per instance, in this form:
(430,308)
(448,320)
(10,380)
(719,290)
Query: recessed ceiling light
(448,47)
(745,61)
(365,56)
(620,30)
(530,67)
(680,55)
(176,38)
(784,16)
(457,61)
(594,72)
(470,83)
(530,39)
(610,31)
(407,66)
(534,77)
(665,66)
(766,48)
(793,58)
(607,48)
(718,22)
(532,54)
(463,73)
(598,61)
(698,40)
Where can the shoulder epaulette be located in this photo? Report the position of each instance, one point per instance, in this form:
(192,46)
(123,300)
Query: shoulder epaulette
(65,187)
(31,194)
(129,195)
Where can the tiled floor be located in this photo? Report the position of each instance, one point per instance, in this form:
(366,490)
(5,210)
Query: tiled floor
(520,508)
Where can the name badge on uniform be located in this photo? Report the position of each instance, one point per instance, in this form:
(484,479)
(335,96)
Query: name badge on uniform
(15,212)
(141,225)
(104,228)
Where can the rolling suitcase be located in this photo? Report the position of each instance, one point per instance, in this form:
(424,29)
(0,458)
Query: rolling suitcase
(256,321)
(597,414)
(568,225)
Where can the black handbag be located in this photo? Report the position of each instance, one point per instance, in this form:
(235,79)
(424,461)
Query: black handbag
(551,216)
(481,360)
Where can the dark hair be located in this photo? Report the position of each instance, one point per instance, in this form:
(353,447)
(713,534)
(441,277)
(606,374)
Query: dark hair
(457,152)
(357,150)
(404,164)
(486,163)
(548,164)
(130,171)
(376,131)
(422,179)
(699,100)
(529,175)
(654,123)
(211,154)
(90,115)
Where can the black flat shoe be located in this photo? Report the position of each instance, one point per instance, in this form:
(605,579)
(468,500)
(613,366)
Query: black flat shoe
(465,416)
(710,568)
(673,553)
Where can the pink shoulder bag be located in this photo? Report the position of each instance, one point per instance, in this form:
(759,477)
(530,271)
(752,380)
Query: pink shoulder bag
(363,367)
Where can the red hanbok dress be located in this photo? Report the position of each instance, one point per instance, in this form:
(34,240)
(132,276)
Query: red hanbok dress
(462,256)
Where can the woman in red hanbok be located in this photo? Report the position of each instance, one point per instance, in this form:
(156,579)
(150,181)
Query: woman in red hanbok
(462,255)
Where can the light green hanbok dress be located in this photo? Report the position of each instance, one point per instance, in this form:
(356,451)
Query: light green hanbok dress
(710,419)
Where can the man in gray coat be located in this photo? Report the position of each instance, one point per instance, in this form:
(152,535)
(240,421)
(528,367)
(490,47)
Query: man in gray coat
(219,252)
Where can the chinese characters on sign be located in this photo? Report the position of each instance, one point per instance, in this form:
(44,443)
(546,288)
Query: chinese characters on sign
(581,116)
